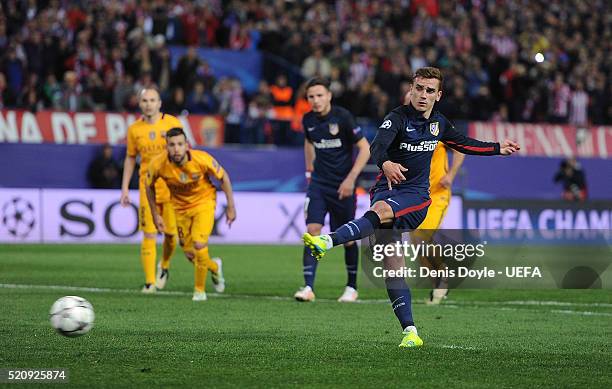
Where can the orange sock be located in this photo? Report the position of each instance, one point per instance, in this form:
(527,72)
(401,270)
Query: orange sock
(203,263)
(169,246)
(147,258)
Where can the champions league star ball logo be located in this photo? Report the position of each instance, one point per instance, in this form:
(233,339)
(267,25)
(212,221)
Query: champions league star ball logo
(18,217)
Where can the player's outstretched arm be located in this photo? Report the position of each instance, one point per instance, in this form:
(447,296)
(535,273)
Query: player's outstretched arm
(466,145)
(226,187)
(128,170)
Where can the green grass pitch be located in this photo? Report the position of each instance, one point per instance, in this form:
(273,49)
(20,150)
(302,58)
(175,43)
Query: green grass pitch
(257,336)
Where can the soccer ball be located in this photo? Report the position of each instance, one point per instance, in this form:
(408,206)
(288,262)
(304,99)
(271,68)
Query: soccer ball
(72,316)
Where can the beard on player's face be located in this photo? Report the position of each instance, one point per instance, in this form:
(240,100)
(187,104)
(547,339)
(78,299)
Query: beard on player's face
(177,156)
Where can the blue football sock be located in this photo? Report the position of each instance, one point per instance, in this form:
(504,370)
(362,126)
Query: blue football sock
(310,267)
(401,301)
(356,229)
(351,260)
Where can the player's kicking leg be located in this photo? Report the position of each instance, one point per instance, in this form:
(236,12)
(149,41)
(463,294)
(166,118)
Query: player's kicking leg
(412,208)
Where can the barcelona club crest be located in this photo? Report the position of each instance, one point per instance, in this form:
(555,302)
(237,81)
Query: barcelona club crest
(434,128)
(183,177)
(152,135)
(334,129)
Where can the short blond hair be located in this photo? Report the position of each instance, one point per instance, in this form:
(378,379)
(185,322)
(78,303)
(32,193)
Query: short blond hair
(429,72)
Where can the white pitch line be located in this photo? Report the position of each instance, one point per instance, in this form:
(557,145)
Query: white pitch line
(455,347)
(585,313)
(529,303)
(448,304)
(556,303)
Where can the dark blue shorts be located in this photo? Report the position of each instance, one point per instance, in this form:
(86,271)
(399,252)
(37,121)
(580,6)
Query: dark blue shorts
(321,200)
(410,208)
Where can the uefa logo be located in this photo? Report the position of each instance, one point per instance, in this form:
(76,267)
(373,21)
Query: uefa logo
(18,217)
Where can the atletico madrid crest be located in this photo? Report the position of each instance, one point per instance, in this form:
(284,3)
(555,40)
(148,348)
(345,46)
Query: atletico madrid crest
(334,129)
(152,135)
(434,128)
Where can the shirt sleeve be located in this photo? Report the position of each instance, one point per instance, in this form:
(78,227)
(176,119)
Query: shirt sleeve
(466,145)
(354,132)
(132,149)
(152,173)
(211,167)
(305,127)
(385,135)
(176,122)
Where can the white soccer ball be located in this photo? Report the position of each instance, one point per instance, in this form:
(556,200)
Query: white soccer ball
(72,316)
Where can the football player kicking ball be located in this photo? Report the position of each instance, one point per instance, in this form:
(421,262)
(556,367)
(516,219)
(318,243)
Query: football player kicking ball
(146,137)
(402,149)
(187,174)
(331,136)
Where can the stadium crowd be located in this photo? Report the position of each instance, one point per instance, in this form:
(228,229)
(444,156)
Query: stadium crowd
(505,60)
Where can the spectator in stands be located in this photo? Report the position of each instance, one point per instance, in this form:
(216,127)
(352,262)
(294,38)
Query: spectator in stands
(260,112)
(101,97)
(491,48)
(293,50)
(282,98)
(14,70)
(186,69)
(282,101)
(176,104)
(201,101)
(123,89)
(598,101)
(316,65)
(161,70)
(73,97)
(29,98)
(573,179)
(104,172)
(231,104)
(52,91)
(205,76)
(579,103)
(7,98)
(560,94)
